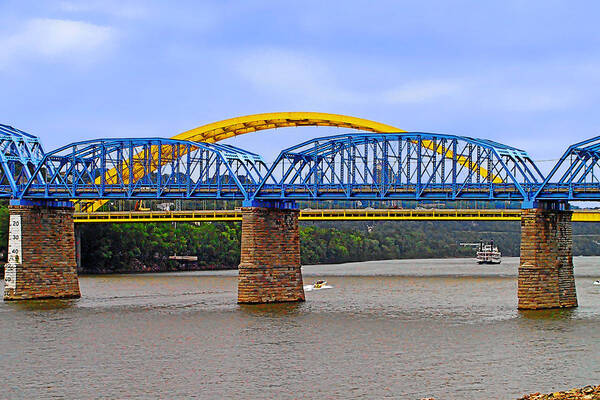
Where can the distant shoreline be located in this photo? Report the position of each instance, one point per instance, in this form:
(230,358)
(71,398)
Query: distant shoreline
(140,268)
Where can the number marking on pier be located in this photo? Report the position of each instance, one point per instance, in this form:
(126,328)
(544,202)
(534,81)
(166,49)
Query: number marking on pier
(15,255)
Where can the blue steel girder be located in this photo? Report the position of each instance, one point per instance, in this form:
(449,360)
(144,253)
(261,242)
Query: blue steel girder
(146,168)
(20,154)
(356,166)
(578,174)
(407,165)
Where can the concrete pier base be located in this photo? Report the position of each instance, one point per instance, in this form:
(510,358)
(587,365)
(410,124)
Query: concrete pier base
(41,262)
(546,277)
(269,270)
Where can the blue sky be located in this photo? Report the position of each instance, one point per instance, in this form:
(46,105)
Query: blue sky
(525,73)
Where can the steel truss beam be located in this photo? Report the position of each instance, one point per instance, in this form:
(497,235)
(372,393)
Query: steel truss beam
(407,165)
(362,166)
(146,168)
(20,154)
(578,174)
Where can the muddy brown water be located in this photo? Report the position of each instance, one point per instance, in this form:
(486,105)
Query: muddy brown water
(388,329)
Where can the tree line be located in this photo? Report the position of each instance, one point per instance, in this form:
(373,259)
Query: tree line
(146,247)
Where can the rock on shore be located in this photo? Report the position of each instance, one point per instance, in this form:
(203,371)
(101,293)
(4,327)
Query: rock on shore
(587,393)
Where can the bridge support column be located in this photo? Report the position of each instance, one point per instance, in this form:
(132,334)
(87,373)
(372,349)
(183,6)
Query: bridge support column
(41,249)
(546,277)
(269,270)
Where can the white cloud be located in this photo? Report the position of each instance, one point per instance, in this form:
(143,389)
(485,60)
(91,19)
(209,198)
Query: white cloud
(53,39)
(297,78)
(293,74)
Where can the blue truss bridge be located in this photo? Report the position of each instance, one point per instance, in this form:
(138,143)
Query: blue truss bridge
(374,162)
(351,166)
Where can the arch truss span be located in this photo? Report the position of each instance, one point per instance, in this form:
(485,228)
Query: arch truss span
(20,154)
(146,168)
(407,165)
(228,128)
(576,175)
(220,130)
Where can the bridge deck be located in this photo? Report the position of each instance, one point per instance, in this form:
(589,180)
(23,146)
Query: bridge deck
(323,215)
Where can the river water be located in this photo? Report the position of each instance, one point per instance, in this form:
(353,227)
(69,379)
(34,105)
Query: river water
(387,329)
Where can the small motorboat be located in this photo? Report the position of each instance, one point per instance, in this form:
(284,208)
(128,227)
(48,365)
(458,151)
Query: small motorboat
(319,284)
(597,283)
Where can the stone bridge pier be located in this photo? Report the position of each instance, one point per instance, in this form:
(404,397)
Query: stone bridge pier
(42,254)
(41,251)
(546,278)
(269,270)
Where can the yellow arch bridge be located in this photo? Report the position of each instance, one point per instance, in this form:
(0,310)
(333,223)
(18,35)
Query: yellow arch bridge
(221,130)
(225,129)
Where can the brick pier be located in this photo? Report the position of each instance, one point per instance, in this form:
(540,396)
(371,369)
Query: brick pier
(41,248)
(269,271)
(546,277)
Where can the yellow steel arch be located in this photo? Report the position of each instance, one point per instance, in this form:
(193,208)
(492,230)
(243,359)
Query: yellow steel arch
(250,123)
(228,128)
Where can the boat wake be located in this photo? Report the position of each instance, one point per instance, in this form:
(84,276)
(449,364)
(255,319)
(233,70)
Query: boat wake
(310,288)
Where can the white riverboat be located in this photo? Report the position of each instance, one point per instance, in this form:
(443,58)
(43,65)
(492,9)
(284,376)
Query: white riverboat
(488,253)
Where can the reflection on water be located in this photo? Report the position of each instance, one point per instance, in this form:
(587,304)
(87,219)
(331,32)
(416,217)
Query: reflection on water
(271,310)
(41,305)
(565,314)
(390,329)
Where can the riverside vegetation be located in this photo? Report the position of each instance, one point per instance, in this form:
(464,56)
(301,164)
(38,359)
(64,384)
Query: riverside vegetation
(108,248)
(121,247)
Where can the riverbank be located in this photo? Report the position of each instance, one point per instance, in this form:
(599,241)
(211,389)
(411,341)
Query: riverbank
(585,393)
(137,267)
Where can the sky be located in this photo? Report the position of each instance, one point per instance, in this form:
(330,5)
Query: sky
(525,73)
